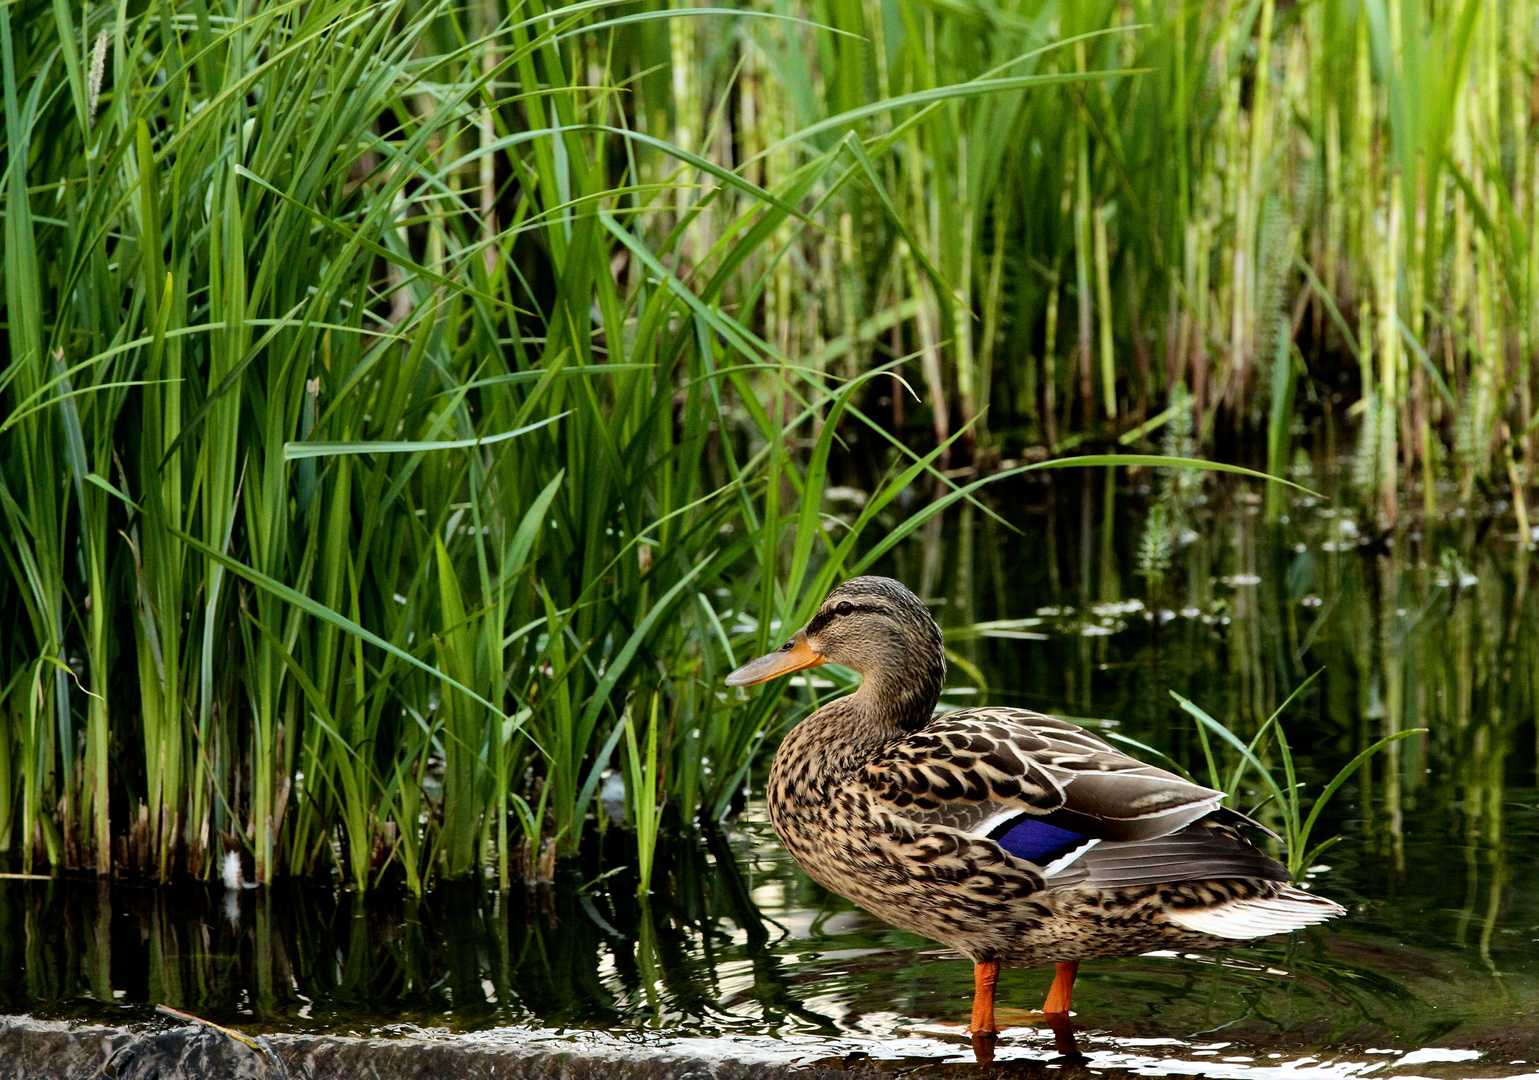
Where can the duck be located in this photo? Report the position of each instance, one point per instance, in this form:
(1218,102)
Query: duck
(1012,837)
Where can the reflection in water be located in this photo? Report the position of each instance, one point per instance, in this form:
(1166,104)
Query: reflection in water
(735,944)
(1440,865)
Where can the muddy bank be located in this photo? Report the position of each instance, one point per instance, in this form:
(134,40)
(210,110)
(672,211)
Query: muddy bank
(44,1050)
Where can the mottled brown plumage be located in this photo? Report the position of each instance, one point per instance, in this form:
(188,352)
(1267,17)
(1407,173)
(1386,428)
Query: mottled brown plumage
(1008,835)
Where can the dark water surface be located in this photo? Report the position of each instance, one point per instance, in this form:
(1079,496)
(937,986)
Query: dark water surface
(1084,612)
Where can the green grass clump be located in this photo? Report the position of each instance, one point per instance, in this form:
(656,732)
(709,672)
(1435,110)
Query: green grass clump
(1281,793)
(1319,212)
(386,423)
(403,401)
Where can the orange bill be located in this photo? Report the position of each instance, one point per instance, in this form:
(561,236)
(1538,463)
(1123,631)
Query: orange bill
(796,655)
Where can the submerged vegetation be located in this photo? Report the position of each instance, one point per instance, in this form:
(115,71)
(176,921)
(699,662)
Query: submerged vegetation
(412,409)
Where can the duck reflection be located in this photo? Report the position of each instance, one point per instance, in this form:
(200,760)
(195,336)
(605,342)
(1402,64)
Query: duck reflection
(1063,1041)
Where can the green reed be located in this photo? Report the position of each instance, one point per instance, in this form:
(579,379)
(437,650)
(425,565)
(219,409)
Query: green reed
(1282,790)
(1343,189)
(387,422)
(399,396)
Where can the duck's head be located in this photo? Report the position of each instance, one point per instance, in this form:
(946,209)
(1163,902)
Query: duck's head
(878,628)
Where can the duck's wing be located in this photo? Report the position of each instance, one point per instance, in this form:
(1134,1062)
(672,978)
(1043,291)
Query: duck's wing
(967,766)
(1211,847)
(1053,794)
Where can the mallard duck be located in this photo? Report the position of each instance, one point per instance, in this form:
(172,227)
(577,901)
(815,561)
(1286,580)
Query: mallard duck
(1010,836)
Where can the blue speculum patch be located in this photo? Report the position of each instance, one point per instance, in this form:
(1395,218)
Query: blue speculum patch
(1036,841)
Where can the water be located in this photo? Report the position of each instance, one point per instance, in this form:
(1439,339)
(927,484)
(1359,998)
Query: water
(1435,971)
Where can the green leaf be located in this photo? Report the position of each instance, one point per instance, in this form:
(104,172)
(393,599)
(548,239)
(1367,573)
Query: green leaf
(1156,461)
(295,451)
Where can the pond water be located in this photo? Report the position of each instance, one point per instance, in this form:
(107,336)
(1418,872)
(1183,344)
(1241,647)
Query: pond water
(1071,604)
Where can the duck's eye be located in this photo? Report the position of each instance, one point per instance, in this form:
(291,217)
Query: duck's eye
(844,608)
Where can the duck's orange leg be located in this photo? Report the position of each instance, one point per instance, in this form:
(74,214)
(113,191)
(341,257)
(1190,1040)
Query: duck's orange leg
(1059,996)
(984,1031)
(985,978)
(1055,1009)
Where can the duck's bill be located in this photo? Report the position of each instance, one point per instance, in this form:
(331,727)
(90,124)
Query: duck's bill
(781,662)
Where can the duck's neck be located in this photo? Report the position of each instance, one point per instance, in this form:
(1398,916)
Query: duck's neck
(898,700)
(848,731)
(892,700)
(888,703)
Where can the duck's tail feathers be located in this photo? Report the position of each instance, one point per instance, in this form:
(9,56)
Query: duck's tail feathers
(1257,917)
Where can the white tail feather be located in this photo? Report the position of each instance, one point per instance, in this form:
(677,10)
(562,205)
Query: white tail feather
(1241,920)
